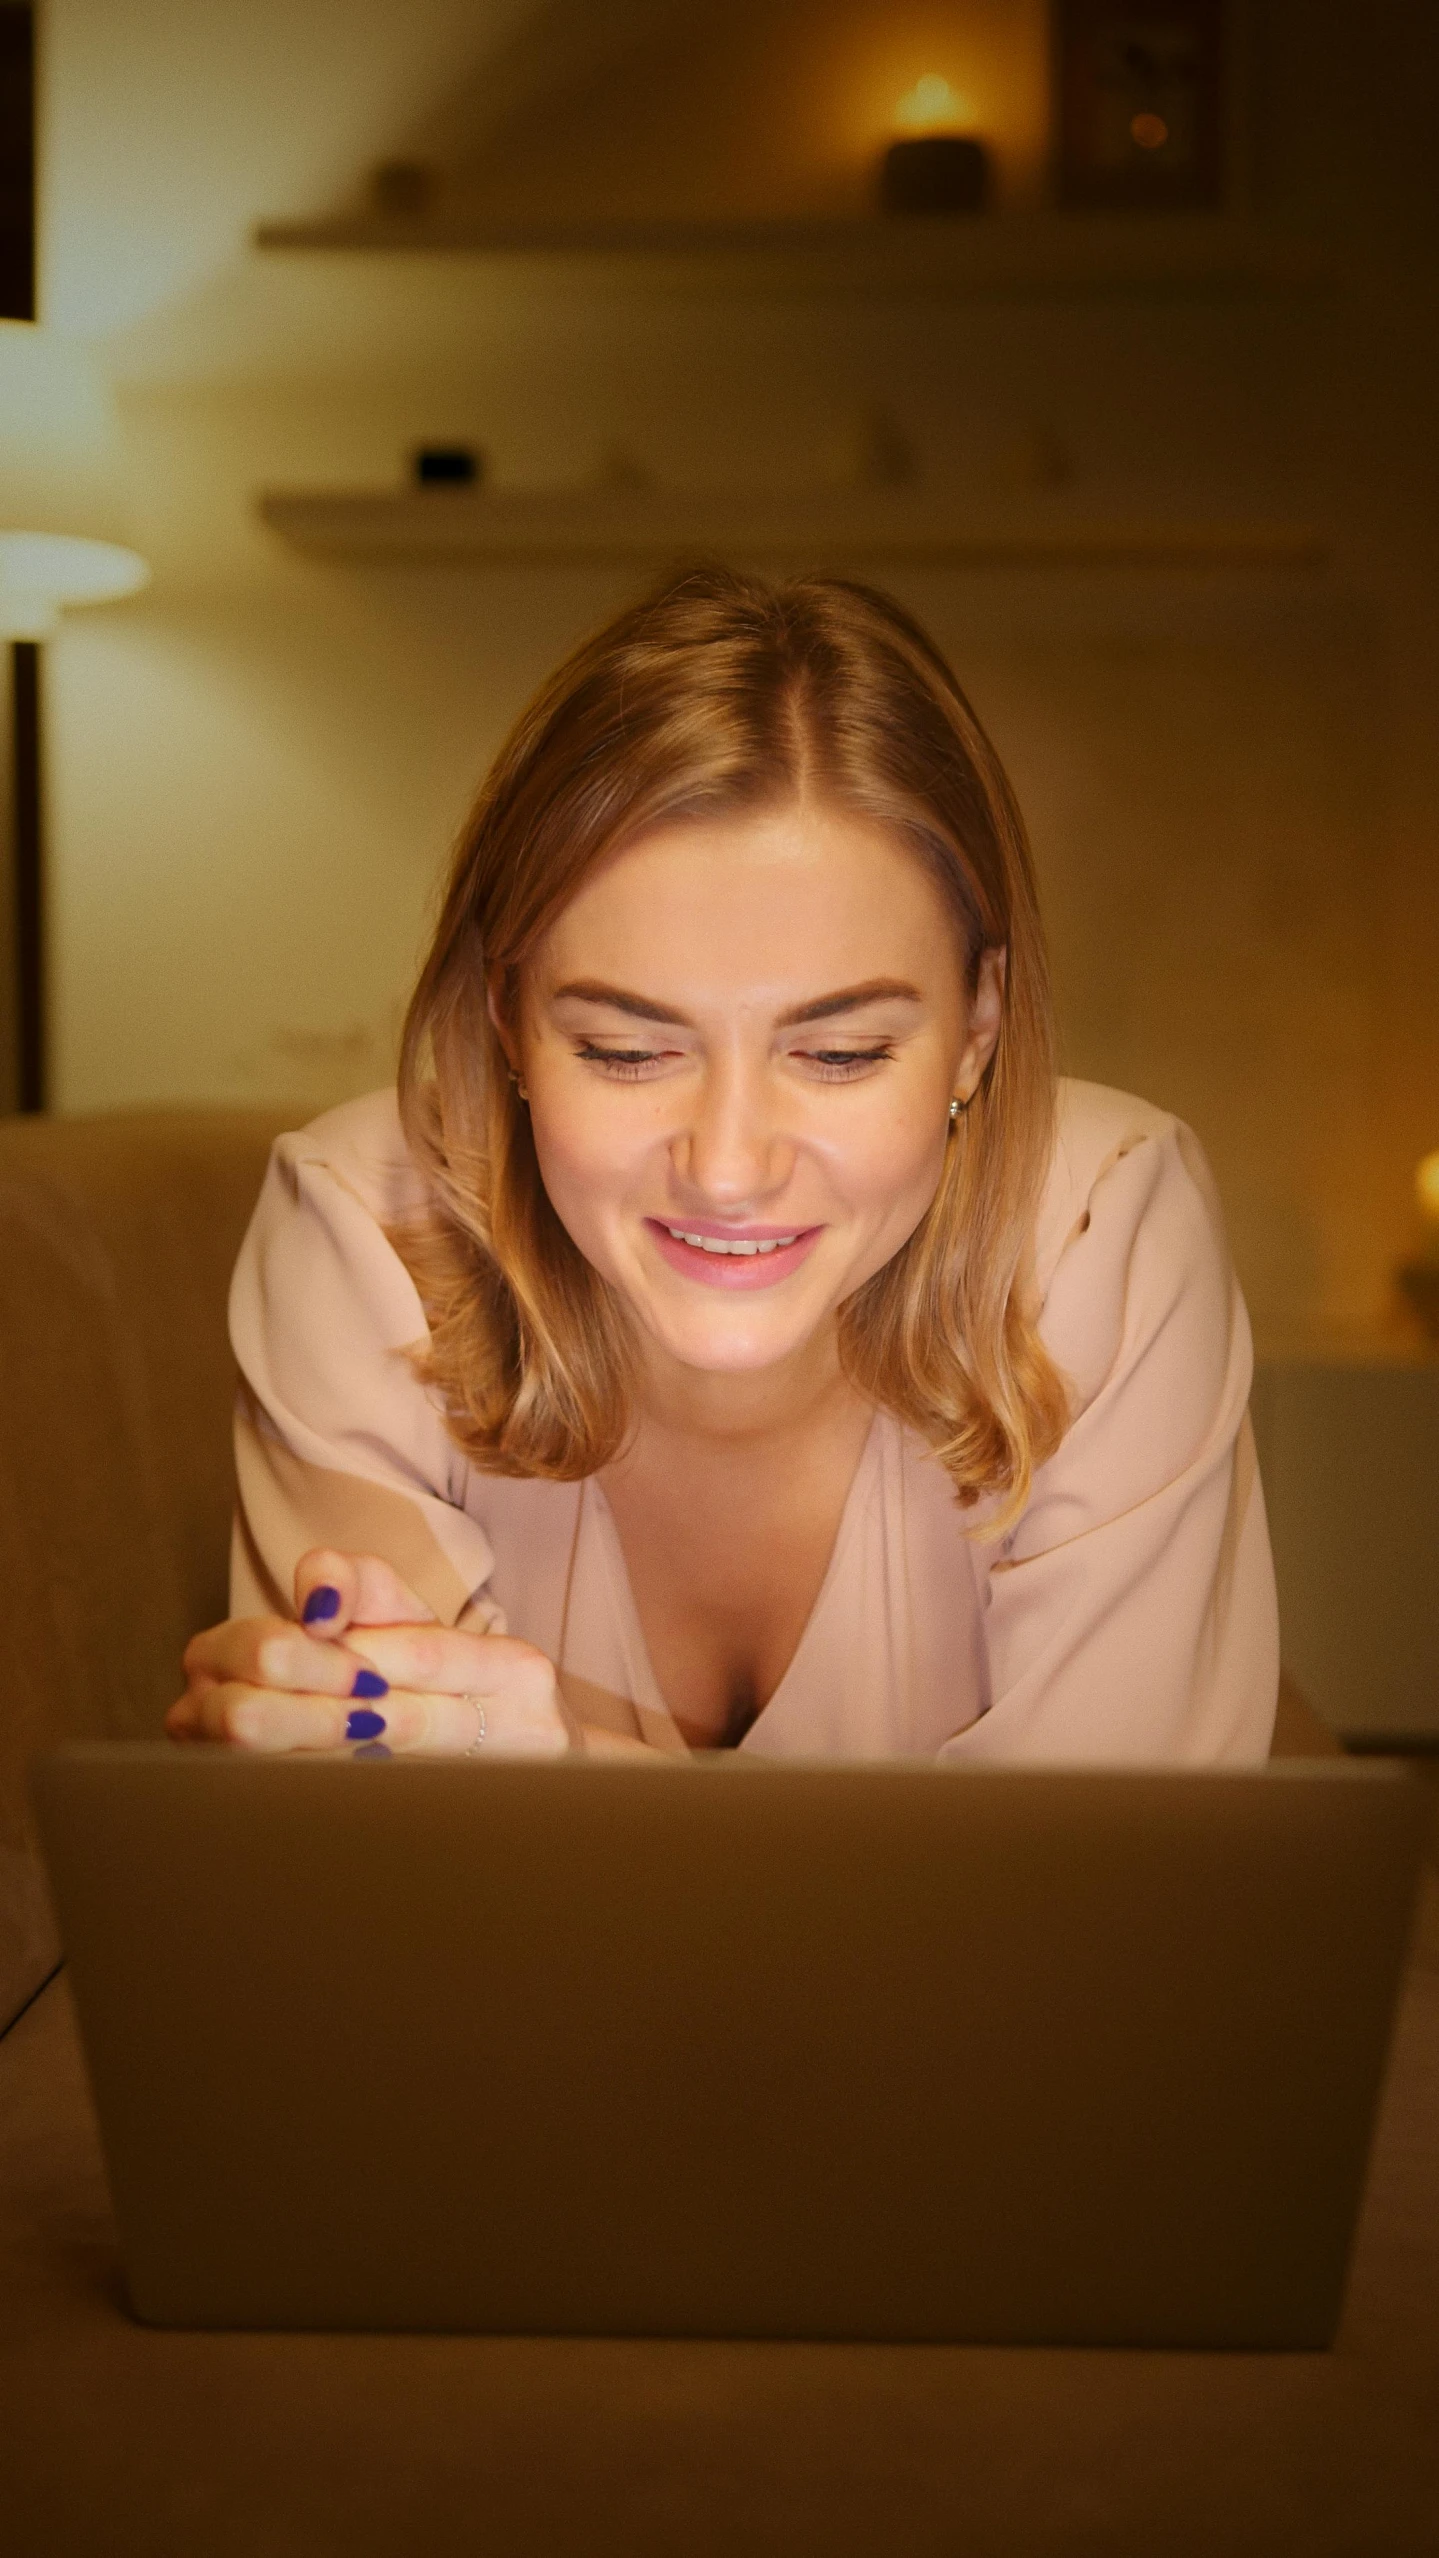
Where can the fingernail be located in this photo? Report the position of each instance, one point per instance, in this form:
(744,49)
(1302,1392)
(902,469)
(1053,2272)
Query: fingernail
(369,1683)
(374,1750)
(364,1724)
(322,1604)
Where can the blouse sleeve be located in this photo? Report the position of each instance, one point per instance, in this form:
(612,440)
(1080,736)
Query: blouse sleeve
(335,1441)
(1131,1614)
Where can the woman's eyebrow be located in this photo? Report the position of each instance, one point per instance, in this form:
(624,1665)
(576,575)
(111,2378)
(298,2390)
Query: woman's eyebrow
(846,999)
(589,990)
(875,990)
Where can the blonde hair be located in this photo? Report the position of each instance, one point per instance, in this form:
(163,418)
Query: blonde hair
(722,693)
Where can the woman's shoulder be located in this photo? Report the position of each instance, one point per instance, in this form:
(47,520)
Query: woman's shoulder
(1118,1153)
(1130,1240)
(318,1268)
(1096,1126)
(361,1144)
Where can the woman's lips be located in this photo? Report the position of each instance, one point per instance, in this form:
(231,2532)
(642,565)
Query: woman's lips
(756,1257)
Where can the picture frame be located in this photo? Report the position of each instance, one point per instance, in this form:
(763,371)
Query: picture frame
(1140,104)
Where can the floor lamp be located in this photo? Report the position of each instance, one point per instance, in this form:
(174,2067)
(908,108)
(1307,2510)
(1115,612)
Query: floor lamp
(62,542)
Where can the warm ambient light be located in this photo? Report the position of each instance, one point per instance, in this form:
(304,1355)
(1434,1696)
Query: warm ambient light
(932,106)
(62,528)
(1426,1189)
(1149,131)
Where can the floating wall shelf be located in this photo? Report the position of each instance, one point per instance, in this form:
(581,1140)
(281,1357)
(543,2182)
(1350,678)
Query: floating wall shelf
(992,254)
(656,525)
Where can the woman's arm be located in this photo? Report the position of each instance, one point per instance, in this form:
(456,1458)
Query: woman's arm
(349,1482)
(337,1445)
(1131,1615)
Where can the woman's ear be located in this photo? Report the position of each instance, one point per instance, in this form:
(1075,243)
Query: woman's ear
(986,1012)
(498,997)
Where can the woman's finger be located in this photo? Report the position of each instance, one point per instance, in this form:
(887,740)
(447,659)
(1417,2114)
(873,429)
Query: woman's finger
(495,1727)
(260,1718)
(441,1660)
(183,1719)
(404,1724)
(270,1652)
(335,1590)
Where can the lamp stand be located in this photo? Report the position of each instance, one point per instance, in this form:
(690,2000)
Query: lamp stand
(22,1023)
(22,891)
(27,878)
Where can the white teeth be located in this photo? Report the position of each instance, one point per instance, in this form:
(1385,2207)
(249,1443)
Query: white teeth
(718,1243)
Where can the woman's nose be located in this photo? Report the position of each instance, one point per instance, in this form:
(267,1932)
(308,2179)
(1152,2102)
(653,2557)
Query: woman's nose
(734,1151)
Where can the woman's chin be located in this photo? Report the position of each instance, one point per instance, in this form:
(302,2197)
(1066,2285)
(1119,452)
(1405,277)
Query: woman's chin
(733,1337)
(729,1330)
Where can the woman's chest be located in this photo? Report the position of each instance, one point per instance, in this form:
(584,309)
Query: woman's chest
(888,1660)
(725,1566)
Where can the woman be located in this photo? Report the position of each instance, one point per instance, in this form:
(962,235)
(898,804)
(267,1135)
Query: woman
(734,1338)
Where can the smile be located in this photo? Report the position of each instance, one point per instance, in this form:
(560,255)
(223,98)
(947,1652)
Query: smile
(718,1243)
(759,1259)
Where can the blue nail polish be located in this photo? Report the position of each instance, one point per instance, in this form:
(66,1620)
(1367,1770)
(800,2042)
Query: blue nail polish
(322,1604)
(373,1750)
(369,1683)
(364,1724)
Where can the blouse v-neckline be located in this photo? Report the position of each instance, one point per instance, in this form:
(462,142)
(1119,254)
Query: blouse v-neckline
(644,1686)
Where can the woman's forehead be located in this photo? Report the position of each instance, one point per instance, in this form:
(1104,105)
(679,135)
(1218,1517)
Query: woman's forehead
(796,892)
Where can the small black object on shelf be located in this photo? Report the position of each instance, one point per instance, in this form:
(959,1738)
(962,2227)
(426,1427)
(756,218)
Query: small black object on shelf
(935,173)
(402,190)
(447,466)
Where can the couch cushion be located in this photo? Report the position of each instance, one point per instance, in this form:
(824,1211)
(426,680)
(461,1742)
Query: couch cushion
(117,1236)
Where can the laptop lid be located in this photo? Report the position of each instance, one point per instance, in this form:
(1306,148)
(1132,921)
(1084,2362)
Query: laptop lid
(734,2050)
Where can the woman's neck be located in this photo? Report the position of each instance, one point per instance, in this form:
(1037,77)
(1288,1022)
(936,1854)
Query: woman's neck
(730,1410)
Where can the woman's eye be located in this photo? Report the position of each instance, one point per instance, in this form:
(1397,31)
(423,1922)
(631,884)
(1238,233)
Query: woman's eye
(831,1065)
(837,1065)
(625,1063)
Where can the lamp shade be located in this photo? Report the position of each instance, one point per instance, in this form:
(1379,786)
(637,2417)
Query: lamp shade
(62,523)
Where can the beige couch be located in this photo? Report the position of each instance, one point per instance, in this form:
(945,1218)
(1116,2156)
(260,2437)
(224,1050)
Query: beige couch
(116,1237)
(116,1241)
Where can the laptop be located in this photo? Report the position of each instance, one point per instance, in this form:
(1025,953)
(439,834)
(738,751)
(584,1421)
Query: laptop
(734,2049)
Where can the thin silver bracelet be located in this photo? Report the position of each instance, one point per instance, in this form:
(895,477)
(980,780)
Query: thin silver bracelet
(478,1742)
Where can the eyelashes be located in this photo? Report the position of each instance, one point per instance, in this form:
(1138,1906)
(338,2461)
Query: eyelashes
(625,1065)
(841,1065)
(831,1065)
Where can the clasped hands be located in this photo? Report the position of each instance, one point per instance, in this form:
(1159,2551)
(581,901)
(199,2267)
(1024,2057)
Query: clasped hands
(367,1661)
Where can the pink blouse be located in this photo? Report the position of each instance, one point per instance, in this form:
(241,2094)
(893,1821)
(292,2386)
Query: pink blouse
(1129,1616)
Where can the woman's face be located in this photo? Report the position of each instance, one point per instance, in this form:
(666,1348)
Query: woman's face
(740,1042)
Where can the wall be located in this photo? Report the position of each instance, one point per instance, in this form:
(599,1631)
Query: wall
(1230,775)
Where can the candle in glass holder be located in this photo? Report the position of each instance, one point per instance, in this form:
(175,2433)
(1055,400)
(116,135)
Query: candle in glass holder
(1426,1190)
(932,168)
(1419,1279)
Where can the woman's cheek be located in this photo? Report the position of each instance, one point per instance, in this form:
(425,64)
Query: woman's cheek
(888,1184)
(889,1157)
(588,1162)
